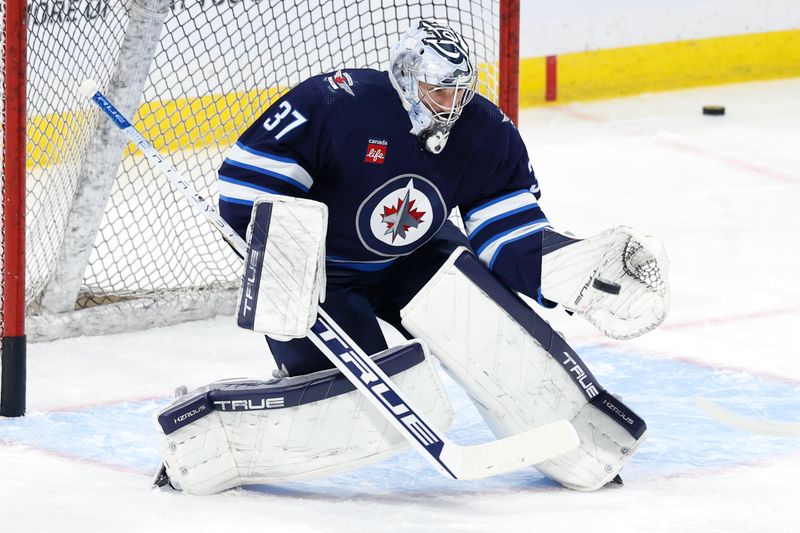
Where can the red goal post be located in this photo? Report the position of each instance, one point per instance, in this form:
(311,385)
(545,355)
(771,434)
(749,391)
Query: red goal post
(93,241)
(12,312)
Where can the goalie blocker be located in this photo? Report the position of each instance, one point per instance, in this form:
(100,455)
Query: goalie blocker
(284,276)
(519,372)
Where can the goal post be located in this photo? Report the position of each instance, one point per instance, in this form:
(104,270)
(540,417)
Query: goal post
(12,359)
(106,246)
(508,51)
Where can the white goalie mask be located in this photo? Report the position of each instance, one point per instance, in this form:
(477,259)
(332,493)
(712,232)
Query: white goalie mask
(435,77)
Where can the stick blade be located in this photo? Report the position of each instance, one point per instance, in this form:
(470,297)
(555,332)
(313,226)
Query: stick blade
(518,451)
(744,423)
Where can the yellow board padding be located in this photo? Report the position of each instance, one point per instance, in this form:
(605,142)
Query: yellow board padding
(532,81)
(52,138)
(169,125)
(183,123)
(634,70)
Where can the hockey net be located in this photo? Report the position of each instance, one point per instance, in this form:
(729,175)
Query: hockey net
(110,246)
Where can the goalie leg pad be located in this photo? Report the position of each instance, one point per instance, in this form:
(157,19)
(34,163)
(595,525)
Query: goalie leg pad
(519,372)
(239,432)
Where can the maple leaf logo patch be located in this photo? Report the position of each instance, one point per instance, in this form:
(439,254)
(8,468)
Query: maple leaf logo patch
(401,217)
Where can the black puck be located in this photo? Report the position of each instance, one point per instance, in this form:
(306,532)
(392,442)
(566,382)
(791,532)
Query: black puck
(713,110)
(606,286)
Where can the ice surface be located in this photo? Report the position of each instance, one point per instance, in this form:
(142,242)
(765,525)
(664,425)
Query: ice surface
(721,191)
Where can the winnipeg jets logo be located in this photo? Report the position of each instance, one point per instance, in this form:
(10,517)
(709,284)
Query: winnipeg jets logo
(400,215)
(403,216)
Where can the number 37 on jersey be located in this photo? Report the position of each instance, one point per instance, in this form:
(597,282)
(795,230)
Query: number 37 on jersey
(284,120)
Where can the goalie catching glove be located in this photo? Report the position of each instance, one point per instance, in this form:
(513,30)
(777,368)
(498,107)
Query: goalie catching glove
(617,280)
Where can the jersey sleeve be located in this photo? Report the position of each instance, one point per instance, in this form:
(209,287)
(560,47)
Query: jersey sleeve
(505,223)
(279,153)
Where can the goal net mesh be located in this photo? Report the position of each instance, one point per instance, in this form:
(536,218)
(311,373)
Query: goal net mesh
(217,66)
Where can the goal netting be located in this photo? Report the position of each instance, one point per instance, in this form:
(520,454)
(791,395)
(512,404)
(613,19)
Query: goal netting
(110,245)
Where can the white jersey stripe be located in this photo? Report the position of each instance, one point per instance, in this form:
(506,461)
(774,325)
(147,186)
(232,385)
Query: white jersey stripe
(239,190)
(499,209)
(492,202)
(488,252)
(273,165)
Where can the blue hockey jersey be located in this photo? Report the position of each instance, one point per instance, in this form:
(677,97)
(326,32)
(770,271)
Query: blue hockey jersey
(343,139)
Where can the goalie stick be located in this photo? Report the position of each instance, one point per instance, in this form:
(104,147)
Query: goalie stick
(745,423)
(453,460)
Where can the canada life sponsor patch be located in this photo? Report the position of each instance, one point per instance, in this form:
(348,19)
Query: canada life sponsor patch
(376,151)
(401,215)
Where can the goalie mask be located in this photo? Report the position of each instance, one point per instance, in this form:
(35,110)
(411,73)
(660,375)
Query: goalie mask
(435,78)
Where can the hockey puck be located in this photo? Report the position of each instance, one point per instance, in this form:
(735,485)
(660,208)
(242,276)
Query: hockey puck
(606,286)
(713,110)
